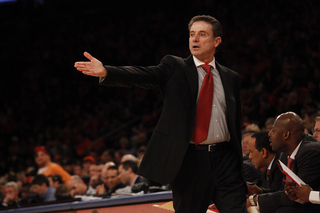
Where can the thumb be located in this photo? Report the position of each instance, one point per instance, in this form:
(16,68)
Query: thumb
(88,56)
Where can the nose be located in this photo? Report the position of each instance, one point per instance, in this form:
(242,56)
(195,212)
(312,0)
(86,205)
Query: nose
(195,38)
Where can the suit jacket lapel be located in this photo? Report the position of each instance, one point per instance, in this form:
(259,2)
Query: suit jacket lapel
(192,77)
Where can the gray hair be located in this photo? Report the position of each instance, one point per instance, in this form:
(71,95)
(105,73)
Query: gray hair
(12,184)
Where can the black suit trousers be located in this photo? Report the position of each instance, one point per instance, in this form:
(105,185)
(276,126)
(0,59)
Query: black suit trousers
(209,176)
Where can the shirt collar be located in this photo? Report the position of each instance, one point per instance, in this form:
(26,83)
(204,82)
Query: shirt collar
(198,63)
(269,167)
(293,155)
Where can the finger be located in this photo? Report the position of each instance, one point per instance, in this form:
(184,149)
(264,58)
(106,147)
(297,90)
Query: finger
(81,64)
(88,56)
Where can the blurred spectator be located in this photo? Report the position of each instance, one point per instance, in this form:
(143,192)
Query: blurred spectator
(245,141)
(268,124)
(131,158)
(86,163)
(25,190)
(46,167)
(107,155)
(128,173)
(62,192)
(111,182)
(251,174)
(40,186)
(140,152)
(252,128)
(78,187)
(307,128)
(11,195)
(92,170)
(316,130)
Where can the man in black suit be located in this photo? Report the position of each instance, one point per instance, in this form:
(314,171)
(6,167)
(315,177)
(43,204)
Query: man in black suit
(128,173)
(287,135)
(262,156)
(211,170)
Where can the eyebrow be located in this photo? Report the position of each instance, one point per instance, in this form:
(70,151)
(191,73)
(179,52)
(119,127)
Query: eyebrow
(201,31)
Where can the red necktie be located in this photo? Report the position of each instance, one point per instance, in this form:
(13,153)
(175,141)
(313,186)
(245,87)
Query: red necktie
(204,107)
(268,172)
(290,166)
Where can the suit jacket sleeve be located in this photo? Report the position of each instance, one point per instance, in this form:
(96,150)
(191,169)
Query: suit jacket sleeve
(152,77)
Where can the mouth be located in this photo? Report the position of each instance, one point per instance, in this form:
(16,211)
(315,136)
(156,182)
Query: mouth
(195,47)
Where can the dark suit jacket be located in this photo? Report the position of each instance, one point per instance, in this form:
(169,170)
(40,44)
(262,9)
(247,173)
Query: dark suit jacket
(275,182)
(141,180)
(307,167)
(177,79)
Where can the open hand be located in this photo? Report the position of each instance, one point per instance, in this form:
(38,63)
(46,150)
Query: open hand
(93,67)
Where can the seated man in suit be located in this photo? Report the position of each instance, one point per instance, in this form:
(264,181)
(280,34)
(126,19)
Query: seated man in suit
(287,135)
(251,174)
(111,182)
(128,173)
(262,156)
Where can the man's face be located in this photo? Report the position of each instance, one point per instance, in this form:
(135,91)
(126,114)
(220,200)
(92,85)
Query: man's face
(276,137)
(245,142)
(42,158)
(39,189)
(124,175)
(99,169)
(11,193)
(112,178)
(254,154)
(202,44)
(316,131)
(77,170)
(92,170)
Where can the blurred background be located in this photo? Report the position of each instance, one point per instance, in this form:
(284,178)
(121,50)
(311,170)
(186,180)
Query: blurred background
(274,46)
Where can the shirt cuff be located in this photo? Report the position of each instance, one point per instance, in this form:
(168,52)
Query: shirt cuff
(314,197)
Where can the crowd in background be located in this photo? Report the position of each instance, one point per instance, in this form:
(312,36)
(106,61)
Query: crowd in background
(274,46)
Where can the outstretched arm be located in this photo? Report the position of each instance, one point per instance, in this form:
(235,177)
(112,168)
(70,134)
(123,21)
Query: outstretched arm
(93,67)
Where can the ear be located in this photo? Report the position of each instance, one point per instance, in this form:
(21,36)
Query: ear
(286,134)
(264,152)
(217,41)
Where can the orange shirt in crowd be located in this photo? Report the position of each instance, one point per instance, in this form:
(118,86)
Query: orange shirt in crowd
(56,169)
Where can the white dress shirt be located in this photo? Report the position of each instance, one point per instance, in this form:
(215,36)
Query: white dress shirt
(218,128)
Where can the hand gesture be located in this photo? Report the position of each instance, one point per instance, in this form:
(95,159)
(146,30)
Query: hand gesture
(100,189)
(93,67)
